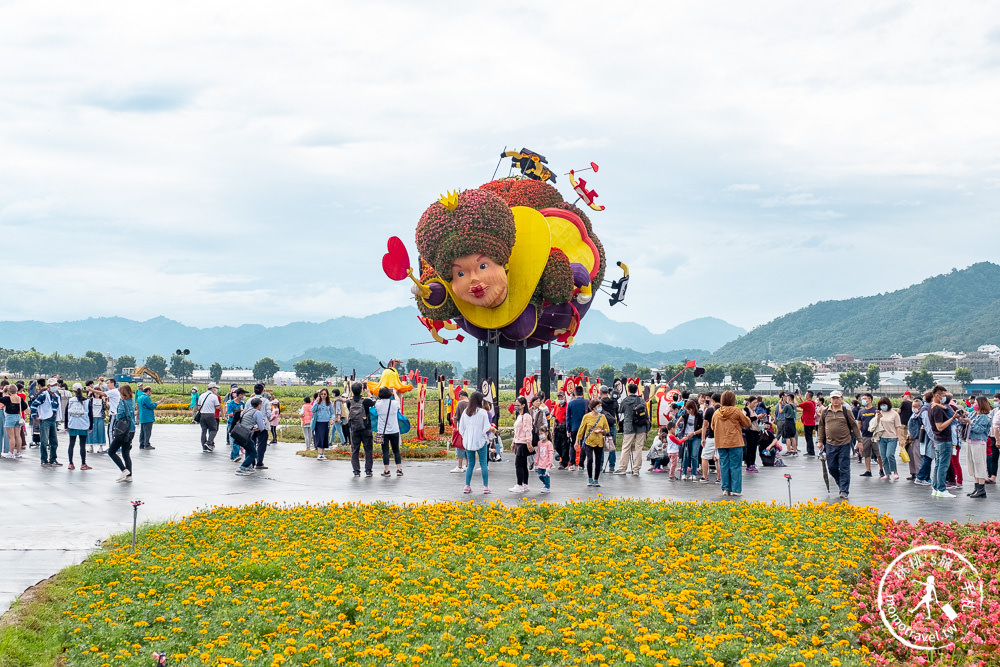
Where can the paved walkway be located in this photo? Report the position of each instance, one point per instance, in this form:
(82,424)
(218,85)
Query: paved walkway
(55,517)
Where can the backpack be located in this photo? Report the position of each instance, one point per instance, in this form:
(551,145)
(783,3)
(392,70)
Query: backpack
(640,417)
(357,417)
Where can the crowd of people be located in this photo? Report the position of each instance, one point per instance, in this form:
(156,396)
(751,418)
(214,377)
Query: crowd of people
(705,438)
(709,439)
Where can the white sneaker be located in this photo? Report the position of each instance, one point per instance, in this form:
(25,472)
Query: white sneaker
(945,494)
(544,490)
(321,457)
(122,477)
(456,469)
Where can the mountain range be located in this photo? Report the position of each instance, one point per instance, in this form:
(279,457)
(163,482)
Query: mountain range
(957,311)
(348,342)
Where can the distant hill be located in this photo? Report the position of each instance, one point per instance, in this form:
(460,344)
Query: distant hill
(956,311)
(382,336)
(345,359)
(593,355)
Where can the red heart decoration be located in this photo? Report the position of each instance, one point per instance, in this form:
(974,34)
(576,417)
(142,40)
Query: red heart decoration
(396,262)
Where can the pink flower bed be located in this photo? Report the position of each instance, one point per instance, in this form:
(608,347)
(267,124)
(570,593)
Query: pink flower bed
(974,634)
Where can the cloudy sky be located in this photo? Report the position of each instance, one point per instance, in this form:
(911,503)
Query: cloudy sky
(224,162)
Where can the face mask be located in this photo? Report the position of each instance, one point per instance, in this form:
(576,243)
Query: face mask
(864,401)
(996,404)
(600,409)
(885,408)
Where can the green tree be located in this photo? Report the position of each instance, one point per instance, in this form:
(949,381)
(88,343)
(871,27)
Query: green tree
(265,369)
(743,376)
(25,364)
(573,372)
(800,375)
(873,379)
(714,374)
(92,365)
(215,372)
(851,380)
(606,373)
(630,369)
(313,371)
(471,374)
(780,377)
(426,367)
(921,380)
(935,362)
(644,373)
(180,367)
(156,363)
(964,376)
(125,361)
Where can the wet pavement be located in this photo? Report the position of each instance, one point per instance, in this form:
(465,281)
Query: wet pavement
(55,517)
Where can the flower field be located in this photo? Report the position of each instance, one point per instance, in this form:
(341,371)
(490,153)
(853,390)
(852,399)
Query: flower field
(591,583)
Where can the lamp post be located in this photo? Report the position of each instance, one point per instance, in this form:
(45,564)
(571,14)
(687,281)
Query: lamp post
(183,353)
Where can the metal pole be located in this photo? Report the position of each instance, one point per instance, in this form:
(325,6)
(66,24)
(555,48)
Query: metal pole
(520,368)
(789,478)
(546,366)
(135,520)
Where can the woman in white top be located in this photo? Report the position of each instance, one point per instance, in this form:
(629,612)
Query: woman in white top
(474,426)
(387,407)
(78,420)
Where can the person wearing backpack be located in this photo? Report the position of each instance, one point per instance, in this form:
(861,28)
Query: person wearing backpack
(836,427)
(361,429)
(635,426)
(79,421)
(387,407)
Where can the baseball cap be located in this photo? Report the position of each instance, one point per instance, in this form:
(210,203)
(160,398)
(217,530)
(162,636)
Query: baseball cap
(212,385)
(77,385)
(836,393)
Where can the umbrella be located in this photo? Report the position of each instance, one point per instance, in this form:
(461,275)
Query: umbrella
(826,473)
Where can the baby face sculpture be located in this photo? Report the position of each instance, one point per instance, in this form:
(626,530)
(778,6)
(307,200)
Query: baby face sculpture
(479,280)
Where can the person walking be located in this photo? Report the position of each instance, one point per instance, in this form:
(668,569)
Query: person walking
(305,417)
(78,418)
(979,431)
(194,407)
(610,409)
(122,440)
(691,424)
(275,419)
(359,419)
(915,446)
(113,395)
(941,417)
(751,434)
(887,425)
(45,410)
(575,411)
(836,426)
(808,408)
(387,409)
(323,412)
(522,445)
(97,404)
(560,439)
(728,424)
(13,408)
(234,411)
(867,447)
(252,419)
(338,424)
(208,408)
(544,459)
(708,450)
(635,426)
(590,435)
(474,427)
(789,431)
(147,416)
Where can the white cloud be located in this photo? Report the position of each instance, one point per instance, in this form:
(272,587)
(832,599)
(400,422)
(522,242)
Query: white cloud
(235,154)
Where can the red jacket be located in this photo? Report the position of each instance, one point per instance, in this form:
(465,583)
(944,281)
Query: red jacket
(559,413)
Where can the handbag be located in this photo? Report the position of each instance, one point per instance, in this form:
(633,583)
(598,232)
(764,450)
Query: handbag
(121,429)
(609,444)
(240,433)
(201,404)
(878,429)
(904,455)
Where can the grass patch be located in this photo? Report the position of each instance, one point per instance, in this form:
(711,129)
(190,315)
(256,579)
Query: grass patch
(31,632)
(598,582)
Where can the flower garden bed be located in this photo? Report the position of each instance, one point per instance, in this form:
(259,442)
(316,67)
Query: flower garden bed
(598,583)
